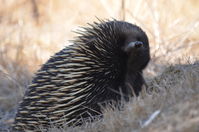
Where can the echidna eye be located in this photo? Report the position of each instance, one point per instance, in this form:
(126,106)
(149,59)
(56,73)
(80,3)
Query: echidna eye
(138,39)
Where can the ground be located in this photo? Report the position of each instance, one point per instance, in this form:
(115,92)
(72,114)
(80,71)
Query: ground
(32,31)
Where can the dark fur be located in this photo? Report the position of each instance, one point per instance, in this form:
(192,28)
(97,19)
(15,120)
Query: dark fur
(112,68)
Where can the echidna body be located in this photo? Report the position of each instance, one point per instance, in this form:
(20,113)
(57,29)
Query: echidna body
(105,60)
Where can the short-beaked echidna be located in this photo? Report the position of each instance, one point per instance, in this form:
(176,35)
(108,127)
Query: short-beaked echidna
(105,60)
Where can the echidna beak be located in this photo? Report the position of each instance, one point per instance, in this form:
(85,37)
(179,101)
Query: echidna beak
(133,45)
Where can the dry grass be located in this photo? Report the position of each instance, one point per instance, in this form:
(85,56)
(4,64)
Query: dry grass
(33,30)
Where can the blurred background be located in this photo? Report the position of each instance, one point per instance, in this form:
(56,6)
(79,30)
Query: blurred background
(33,30)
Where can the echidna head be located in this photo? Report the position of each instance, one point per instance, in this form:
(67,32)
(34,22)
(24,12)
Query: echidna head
(136,46)
(132,41)
(126,42)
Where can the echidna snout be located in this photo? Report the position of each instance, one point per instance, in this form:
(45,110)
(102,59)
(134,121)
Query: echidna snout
(105,60)
(133,46)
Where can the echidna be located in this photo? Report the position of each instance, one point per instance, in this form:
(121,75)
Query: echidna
(105,60)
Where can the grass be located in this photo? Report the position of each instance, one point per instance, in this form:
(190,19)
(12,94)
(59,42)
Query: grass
(32,31)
